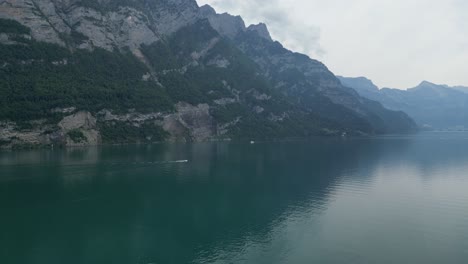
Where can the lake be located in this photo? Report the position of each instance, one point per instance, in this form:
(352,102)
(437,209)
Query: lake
(395,199)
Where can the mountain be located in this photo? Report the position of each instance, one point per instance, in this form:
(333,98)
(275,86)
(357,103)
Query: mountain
(79,72)
(463,89)
(430,105)
(308,83)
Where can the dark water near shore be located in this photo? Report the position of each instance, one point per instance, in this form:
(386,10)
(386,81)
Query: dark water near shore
(380,200)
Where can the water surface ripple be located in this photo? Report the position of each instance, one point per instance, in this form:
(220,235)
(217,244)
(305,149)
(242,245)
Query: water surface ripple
(396,199)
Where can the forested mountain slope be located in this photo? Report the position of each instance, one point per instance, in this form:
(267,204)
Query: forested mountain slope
(108,71)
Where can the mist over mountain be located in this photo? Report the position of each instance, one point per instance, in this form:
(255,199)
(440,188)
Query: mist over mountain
(430,105)
(79,72)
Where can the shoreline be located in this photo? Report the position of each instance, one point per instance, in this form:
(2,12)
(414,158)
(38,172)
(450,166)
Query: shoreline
(243,140)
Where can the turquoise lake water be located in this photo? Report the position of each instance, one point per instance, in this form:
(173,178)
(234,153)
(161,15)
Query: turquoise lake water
(368,200)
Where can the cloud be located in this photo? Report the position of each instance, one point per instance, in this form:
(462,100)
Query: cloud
(278,16)
(397,43)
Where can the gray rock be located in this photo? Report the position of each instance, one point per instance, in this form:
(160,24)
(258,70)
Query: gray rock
(223,129)
(133,117)
(50,20)
(258,109)
(225,24)
(83,122)
(225,101)
(196,120)
(80,120)
(219,62)
(32,15)
(262,30)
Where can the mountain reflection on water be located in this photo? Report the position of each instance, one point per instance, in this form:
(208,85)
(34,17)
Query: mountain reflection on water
(367,200)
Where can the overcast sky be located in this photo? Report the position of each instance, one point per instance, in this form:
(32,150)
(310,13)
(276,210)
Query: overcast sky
(396,43)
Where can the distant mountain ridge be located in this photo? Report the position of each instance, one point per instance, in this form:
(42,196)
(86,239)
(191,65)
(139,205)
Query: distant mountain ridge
(463,89)
(80,72)
(429,104)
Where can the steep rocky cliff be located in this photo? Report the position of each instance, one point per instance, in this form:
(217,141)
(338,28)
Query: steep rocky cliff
(100,23)
(77,72)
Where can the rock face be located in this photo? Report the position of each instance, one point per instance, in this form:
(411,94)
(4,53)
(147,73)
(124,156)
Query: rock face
(143,71)
(81,122)
(231,26)
(36,17)
(225,24)
(39,133)
(190,122)
(261,30)
(430,105)
(11,135)
(100,23)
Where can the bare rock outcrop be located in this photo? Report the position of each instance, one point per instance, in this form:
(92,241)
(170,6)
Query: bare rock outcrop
(194,122)
(104,24)
(83,123)
(262,30)
(225,24)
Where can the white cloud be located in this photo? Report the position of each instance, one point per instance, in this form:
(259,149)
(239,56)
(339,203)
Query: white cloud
(397,43)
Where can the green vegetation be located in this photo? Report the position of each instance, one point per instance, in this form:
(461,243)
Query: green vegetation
(252,125)
(13,27)
(77,136)
(124,132)
(24,125)
(207,82)
(203,83)
(93,4)
(23,146)
(161,57)
(39,77)
(75,38)
(38,52)
(228,113)
(4,142)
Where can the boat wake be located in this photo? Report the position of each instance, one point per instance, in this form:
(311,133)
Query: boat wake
(150,162)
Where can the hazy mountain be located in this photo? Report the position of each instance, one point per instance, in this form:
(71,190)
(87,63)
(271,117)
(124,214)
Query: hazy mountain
(461,88)
(88,71)
(437,106)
